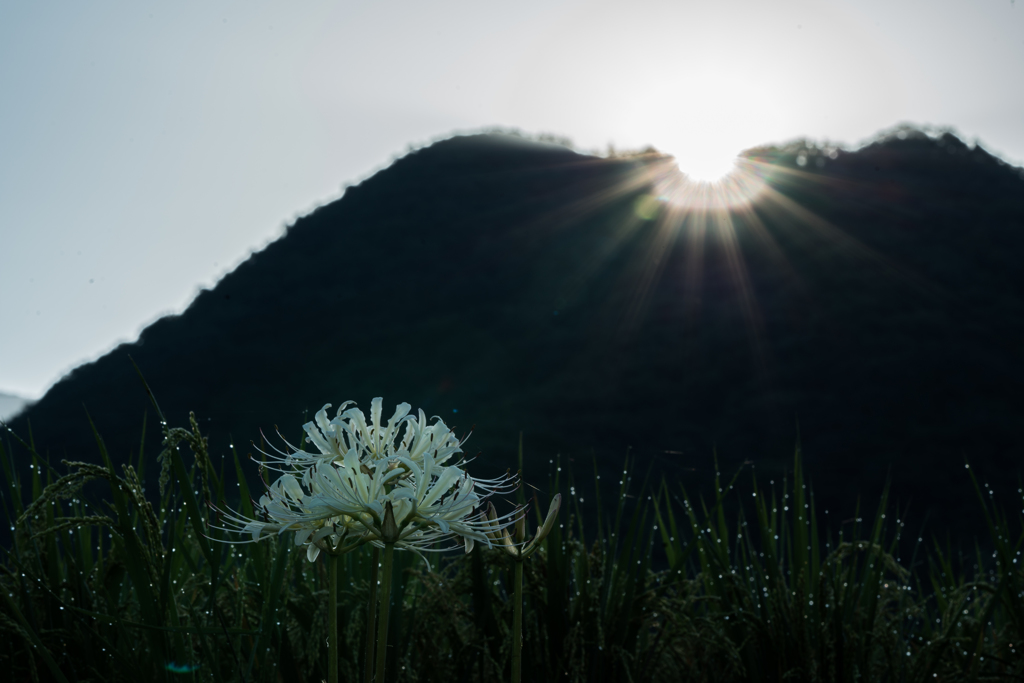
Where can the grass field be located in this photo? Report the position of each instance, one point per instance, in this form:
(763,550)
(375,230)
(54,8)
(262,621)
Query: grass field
(665,588)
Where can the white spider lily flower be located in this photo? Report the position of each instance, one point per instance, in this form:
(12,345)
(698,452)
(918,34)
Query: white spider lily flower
(281,510)
(376,443)
(445,497)
(285,508)
(335,437)
(437,439)
(349,430)
(374,483)
(428,504)
(339,505)
(372,441)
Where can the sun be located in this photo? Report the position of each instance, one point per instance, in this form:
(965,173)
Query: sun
(702,161)
(706,125)
(710,170)
(714,186)
(704,120)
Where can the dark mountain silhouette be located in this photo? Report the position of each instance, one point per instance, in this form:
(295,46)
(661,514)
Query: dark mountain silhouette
(871,300)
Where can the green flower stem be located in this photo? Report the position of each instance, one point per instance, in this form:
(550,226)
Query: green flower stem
(517,626)
(332,621)
(371,617)
(385,604)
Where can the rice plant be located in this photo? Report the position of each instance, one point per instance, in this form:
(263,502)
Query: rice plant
(654,586)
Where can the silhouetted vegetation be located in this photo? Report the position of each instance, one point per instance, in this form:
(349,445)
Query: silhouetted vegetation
(515,284)
(127,591)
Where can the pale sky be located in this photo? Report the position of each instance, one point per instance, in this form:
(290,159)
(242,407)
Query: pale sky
(146,150)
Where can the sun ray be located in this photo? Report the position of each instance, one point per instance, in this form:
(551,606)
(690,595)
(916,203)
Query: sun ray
(659,223)
(707,216)
(701,210)
(694,269)
(741,282)
(652,262)
(775,202)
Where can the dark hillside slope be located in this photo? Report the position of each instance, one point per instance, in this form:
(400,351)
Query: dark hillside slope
(513,287)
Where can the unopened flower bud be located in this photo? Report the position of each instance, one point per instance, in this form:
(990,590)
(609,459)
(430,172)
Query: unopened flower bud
(520,525)
(494,533)
(510,547)
(549,521)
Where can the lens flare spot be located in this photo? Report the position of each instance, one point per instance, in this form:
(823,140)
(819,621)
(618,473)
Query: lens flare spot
(647,207)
